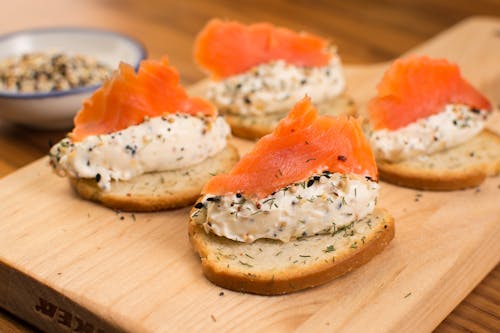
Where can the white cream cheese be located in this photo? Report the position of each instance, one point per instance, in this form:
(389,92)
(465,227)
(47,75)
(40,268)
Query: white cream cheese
(454,125)
(276,86)
(321,204)
(162,143)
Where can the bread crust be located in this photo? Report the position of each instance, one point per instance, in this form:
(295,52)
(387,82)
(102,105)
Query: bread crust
(290,278)
(253,127)
(479,158)
(159,190)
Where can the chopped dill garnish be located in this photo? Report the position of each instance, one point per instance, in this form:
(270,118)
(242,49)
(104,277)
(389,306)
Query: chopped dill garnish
(271,202)
(245,263)
(329,248)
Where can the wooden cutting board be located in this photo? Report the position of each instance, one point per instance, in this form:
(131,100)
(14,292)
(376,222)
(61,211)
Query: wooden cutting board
(71,265)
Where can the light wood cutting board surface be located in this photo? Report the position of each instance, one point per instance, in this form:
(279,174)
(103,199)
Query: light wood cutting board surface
(137,272)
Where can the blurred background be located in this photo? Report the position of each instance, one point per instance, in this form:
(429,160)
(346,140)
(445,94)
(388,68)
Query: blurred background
(365,31)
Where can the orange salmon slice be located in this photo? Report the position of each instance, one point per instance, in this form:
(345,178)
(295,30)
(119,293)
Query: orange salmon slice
(128,97)
(303,144)
(226,48)
(418,87)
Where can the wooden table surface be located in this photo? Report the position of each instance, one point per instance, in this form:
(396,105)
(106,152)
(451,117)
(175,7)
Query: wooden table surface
(365,32)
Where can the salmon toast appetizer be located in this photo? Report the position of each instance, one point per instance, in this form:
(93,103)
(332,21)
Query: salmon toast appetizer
(257,72)
(140,143)
(295,212)
(428,127)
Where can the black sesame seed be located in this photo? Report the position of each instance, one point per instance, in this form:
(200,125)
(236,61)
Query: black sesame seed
(310,182)
(238,195)
(131,149)
(316,177)
(342,158)
(247,100)
(198,205)
(98,177)
(475,110)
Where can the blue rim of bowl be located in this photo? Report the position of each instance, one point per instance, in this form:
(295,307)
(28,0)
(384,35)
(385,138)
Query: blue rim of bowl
(142,51)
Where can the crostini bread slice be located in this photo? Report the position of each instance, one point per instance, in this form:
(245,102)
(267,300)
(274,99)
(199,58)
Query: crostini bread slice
(271,267)
(158,190)
(463,166)
(254,127)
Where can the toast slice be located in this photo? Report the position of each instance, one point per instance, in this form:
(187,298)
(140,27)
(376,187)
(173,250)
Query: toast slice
(254,127)
(271,267)
(463,166)
(158,190)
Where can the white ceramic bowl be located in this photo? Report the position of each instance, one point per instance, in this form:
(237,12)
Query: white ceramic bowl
(55,110)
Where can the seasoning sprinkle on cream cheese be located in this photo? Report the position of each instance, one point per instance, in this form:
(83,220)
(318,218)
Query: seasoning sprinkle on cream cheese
(163,143)
(274,87)
(454,125)
(332,201)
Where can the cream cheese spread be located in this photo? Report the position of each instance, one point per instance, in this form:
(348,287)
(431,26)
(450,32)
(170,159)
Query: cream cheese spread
(318,205)
(454,125)
(276,86)
(163,143)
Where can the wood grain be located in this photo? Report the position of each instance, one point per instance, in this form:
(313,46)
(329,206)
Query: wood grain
(388,28)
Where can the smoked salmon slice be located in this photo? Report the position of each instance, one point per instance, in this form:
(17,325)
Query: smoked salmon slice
(128,97)
(227,48)
(303,144)
(418,87)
